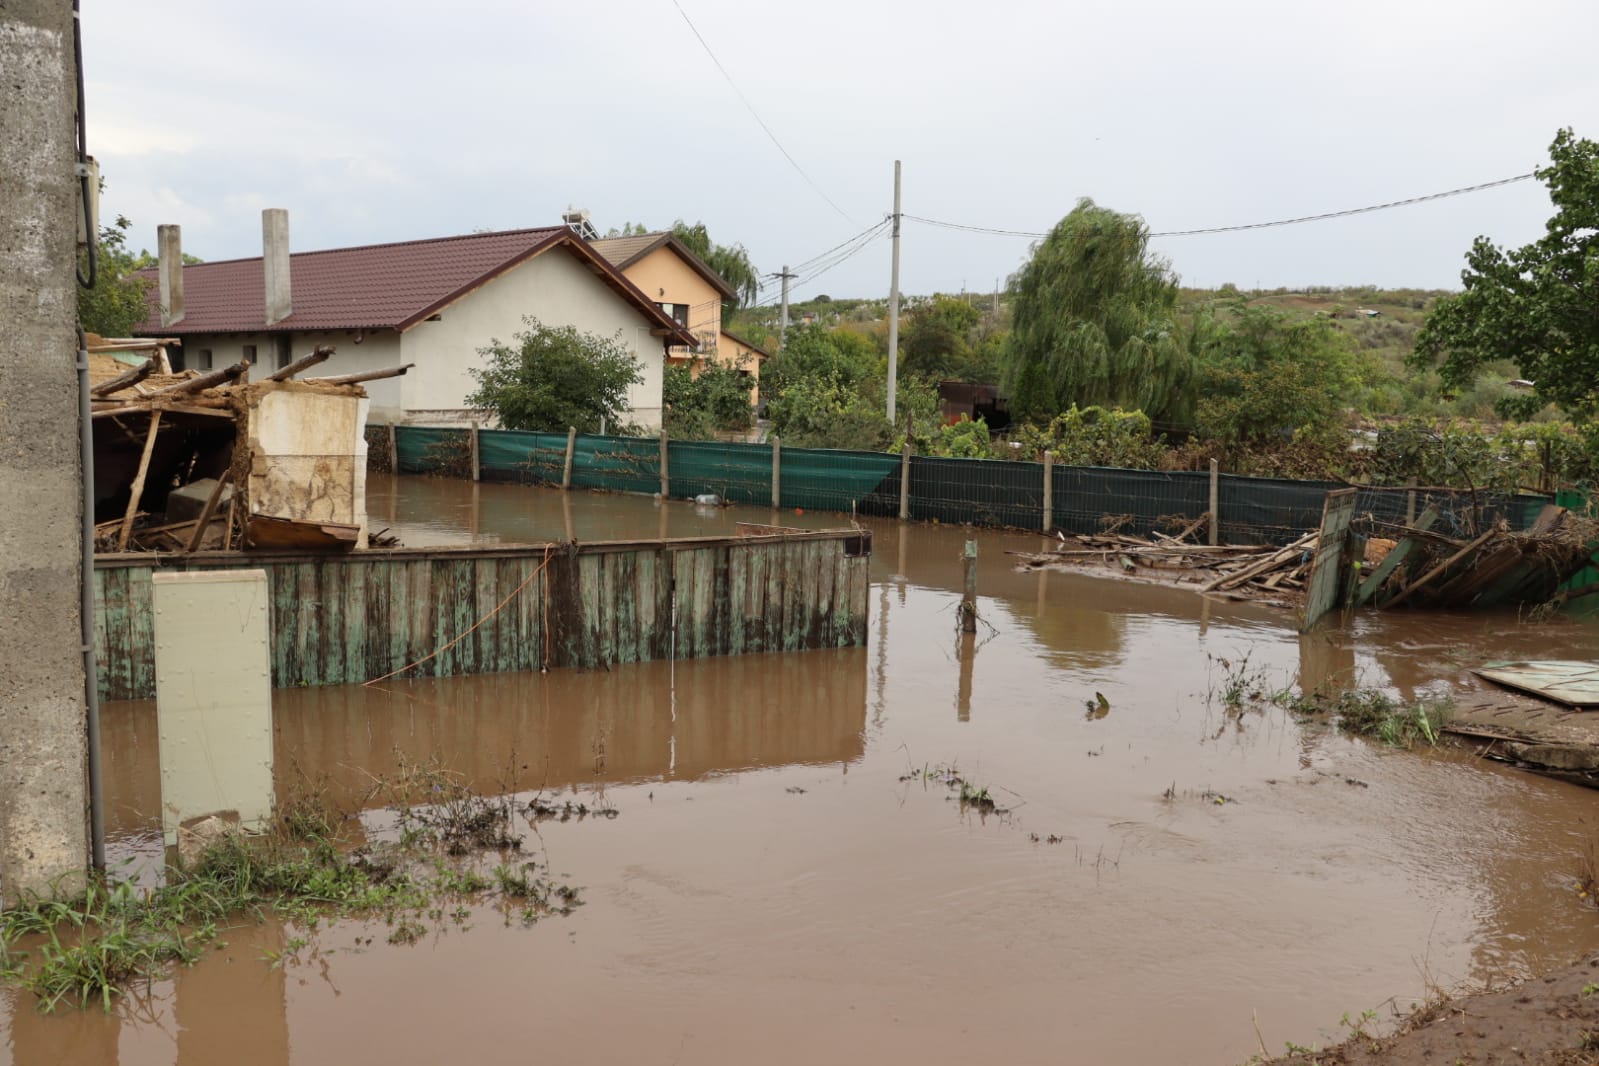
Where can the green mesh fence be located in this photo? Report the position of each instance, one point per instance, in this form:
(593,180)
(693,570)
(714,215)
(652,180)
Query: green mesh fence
(976,491)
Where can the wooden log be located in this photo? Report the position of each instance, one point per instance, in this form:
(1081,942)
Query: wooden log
(208,511)
(1432,574)
(1395,556)
(138,481)
(206,381)
(125,379)
(306,362)
(365,375)
(968,609)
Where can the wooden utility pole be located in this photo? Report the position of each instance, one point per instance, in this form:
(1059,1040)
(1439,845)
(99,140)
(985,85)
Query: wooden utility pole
(968,609)
(893,306)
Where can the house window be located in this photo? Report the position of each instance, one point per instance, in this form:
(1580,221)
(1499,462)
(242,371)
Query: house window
(676,312)
(249,353)
(203,359)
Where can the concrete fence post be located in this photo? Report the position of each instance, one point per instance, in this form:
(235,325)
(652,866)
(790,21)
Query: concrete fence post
(566,467)
(905,483)
(1410,504)
(394,451)
(1049,491)
(477,469)
(43,709)
(777,473)
(1215,503)
(666,484)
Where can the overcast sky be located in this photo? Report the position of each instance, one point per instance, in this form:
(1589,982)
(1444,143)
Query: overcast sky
(389,121)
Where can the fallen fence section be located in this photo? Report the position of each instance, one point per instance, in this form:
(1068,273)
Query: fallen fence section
(349,618)
(984,492)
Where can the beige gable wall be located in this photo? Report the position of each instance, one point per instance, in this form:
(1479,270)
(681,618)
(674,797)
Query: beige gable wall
(666,278)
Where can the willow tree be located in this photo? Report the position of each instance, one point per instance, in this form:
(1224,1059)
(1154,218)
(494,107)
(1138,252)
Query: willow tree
(1095,322)
(730,261)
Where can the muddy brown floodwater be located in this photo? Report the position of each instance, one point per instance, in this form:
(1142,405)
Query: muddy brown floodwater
(774,892)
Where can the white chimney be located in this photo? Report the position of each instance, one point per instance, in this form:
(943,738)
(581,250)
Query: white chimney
(275,264)
(169,271)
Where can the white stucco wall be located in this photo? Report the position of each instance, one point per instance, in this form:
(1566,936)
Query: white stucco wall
(554,288)
(377,351)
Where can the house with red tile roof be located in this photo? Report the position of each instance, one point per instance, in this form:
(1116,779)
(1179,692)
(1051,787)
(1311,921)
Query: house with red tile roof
(434,303)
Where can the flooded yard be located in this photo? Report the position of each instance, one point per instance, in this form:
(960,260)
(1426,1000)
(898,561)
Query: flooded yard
(791,879)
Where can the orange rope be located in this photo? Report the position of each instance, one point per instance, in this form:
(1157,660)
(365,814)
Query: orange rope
(514,592)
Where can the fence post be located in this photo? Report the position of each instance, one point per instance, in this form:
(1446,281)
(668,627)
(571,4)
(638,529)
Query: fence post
(1410,504)
(1049,490)
(476,468)
(566,469)
(394,452)
(777,474)
(969,598)
(1215,503)
(666,491)
(905,482)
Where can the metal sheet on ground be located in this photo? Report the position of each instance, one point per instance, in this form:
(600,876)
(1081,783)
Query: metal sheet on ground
(1572,682)
(1321,591)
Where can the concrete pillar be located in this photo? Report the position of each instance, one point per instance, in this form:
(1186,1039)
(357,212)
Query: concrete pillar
(275,264)
(43,791)
(169,273)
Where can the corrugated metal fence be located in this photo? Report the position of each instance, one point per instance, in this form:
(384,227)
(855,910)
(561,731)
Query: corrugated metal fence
(983,492)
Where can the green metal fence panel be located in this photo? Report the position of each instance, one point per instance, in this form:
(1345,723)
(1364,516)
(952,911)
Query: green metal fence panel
(617,464)
(851,482)
(738,473)
(426,449)
(984,492)
(521,456)
(1136,501)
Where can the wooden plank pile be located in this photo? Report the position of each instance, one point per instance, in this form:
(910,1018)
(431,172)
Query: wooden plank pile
(1240,571)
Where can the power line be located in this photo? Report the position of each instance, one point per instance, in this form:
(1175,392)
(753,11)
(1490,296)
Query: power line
(762,122)
(1248,226)
(773,279)
(839,255)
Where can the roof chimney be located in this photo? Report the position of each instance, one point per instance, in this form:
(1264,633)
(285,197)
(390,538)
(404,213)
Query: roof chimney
(275,264)
(169,271)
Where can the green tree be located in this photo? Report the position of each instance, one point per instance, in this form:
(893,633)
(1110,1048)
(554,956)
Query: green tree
(1267,376)
(118,303)
(1095,322)
(1537,305)
(698,406)
(826,389)
(936,340)
(731,261)
(553,377)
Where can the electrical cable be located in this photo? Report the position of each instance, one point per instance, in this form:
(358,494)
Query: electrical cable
(762,122)
(1248,226)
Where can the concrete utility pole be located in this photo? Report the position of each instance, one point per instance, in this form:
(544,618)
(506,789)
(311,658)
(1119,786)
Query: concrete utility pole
(893,307)
(782,329)
(43,796)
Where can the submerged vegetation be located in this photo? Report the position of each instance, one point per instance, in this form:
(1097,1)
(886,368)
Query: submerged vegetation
(1372,713)
(451,849)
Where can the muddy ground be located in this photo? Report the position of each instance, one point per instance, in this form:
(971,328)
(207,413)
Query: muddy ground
(1547,1021)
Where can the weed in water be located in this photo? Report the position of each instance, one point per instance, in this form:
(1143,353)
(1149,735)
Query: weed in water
(87,948)
(1372,713)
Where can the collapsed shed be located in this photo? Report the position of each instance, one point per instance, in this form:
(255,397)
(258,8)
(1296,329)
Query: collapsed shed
(188,461)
